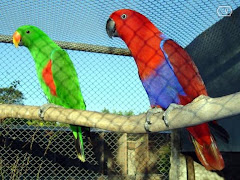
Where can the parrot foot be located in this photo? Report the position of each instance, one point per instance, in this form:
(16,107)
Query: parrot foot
(44,108)
(168,110)
(150,112)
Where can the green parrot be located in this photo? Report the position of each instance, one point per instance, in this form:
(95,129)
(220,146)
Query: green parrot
(56,74)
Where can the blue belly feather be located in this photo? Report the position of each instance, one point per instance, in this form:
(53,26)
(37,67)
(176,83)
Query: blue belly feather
(163,87)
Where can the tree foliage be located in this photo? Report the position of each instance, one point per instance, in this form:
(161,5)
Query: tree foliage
(124,113)
(11,95)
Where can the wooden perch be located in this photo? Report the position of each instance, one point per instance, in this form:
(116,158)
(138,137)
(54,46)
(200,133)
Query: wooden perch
(202,109)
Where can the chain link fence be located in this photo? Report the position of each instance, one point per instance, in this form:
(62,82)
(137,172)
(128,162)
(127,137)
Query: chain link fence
(32,149)
(33,152)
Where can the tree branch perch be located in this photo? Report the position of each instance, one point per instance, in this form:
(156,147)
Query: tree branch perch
(202,109)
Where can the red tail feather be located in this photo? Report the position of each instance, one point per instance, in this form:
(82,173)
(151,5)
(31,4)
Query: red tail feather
(209,155)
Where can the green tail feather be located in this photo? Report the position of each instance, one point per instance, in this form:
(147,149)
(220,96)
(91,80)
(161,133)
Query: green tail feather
(77,133)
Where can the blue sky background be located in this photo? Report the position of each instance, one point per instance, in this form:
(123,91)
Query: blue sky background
(107,81)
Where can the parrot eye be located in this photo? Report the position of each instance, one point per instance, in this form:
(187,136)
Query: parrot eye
(28,32)
(123,16)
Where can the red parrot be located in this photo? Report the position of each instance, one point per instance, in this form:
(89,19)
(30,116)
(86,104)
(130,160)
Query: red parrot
(168,75)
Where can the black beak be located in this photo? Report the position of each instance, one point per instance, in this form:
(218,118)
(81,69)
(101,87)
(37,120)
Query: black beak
(111,28)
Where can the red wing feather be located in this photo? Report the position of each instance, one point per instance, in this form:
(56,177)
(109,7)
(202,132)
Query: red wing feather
(191,81)
(48,78)
(185,70)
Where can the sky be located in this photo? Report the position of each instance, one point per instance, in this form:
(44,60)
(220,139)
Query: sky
(107,81)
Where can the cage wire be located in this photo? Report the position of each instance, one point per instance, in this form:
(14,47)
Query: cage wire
(32,149)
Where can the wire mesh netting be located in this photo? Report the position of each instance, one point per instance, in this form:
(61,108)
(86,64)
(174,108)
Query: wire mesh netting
(49,153)
(32,149)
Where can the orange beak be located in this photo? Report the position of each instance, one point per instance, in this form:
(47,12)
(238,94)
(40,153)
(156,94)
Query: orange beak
(16,39)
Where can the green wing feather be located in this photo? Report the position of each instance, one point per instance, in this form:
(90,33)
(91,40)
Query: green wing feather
(66,81)
(68,91)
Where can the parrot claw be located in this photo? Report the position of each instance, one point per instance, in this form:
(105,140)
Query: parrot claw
(149,114)
(168,110)
(147,125)
(44,108)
